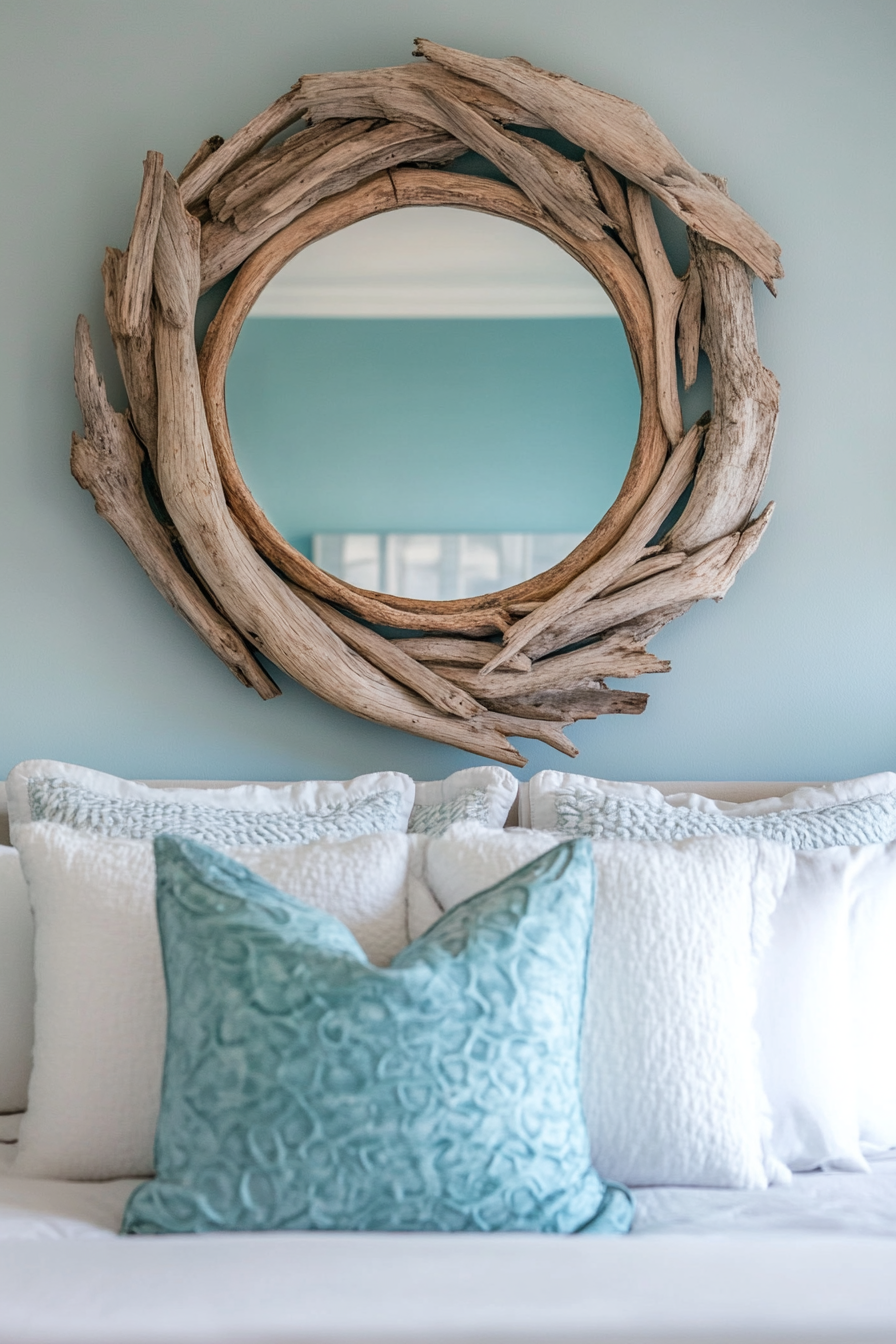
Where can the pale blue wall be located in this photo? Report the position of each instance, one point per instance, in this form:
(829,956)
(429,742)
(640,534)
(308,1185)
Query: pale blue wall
(792,676)
(461,425)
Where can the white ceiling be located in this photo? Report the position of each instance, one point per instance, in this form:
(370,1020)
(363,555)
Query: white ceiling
(433,262)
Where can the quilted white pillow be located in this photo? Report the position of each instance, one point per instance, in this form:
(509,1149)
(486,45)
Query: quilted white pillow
(16,983)
(484,793)
(246,814)
(101,1008)
(850,812)
(670,1077)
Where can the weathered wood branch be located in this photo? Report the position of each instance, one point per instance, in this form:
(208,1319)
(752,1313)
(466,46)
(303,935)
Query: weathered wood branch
(605,572)
(628,139)
(617,656)
(525,726)
(745,404)
(266,172)
(585,701)
(226,245)
(205,151)
(666,294)
(709,572)
(690,319)
(551,181)
(611,195)
(370,151)
(644,569)
(399,92)
(197,184)
(107,461)
(458,652)
(390,658)
(136,290)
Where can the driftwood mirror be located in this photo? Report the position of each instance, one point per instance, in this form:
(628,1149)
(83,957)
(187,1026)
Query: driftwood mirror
(527,660)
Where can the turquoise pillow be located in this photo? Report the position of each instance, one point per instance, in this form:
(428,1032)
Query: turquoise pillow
(306,1088)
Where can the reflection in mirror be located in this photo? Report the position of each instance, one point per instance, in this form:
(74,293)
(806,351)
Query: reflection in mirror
(433,403)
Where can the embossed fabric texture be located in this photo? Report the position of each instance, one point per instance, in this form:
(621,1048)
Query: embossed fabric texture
(850,812)
(246,814)
(483,793)
(306,1088)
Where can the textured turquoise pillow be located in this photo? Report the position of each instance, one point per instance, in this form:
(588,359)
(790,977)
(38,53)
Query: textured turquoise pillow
(306,1088)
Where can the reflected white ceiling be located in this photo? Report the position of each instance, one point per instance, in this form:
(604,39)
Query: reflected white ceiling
(433,262)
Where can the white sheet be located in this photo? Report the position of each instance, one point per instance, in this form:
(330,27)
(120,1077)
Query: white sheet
(66,1278)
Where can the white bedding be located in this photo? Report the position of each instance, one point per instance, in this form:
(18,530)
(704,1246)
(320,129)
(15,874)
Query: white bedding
(66,1278)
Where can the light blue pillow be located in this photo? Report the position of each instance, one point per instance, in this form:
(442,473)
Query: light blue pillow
(581,811)
(306,1088)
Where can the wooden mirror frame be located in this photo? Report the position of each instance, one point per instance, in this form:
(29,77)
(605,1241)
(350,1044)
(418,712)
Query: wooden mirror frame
(164,474)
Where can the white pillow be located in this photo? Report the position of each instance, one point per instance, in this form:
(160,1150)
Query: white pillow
(484,793)
(16,983)
(246,814)
(851,812)
(832,1084)
(804,1018)
(872,877)
(670,1078)
(101,1008)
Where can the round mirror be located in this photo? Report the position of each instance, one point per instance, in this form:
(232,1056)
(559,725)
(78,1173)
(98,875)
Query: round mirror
(433,403)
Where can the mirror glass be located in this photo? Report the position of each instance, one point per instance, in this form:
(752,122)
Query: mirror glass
(433,403)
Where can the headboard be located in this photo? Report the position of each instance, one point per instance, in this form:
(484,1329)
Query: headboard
(738,791)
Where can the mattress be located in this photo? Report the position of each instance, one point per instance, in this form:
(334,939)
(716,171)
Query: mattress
(813,1261)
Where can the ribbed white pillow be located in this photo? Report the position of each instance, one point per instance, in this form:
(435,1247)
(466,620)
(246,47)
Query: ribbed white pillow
(101,1009)
(243,814)
(670,1070)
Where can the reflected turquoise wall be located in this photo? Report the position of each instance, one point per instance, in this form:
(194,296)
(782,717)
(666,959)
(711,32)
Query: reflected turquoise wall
(791,677)
(402,425)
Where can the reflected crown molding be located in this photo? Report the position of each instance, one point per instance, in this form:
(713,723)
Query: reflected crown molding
(435,262)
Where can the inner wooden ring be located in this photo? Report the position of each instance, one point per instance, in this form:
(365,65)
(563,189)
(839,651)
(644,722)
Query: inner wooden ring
(604,259)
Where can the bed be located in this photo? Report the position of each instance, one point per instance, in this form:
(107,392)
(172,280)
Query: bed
(812,1261)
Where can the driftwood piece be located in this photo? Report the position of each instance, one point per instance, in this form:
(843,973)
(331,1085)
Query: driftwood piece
(136,289)
(399,93)
(606,571)
(689,324)
(227,245)
(625,137)
(666,294)
(247,203)
(551,181)
(616,656)
(611,195)
(107,461)
(265,173)
(709,572)
(525,726)
(197,184)
(205,151)
(390,658)
(745,404)
(458,652)
(261,606)
(585,701)
(135,354)
(644,569)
